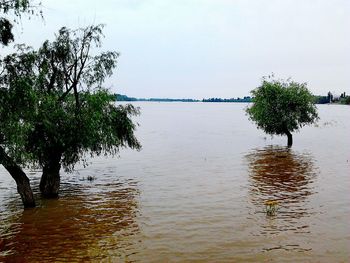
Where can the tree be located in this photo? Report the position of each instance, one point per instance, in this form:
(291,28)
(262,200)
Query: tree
(282,107)
(330,97)
(53,107)
(14,8)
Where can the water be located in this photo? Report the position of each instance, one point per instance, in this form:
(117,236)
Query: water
(195,193)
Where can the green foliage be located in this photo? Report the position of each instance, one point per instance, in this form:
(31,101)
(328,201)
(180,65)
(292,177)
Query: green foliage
(345,100)
(321,99)
(53,105)
(6,35)
(280,107)
(14,8)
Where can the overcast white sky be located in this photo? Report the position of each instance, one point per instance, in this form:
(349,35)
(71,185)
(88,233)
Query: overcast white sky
(210,48)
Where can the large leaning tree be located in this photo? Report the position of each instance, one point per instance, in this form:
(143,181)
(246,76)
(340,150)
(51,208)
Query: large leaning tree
(10,13)
(54,111)
(281,107)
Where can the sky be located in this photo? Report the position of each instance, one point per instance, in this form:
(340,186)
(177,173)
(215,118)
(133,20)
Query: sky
(209,48)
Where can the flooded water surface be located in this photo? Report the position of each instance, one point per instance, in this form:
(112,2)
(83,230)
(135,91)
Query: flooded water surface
(196,192)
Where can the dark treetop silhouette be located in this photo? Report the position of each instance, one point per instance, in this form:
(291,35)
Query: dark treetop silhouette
(14,8)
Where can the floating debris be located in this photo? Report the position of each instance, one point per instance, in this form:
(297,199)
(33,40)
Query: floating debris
(89,178)
(271,207)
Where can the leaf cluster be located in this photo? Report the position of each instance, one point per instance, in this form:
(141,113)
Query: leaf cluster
(281,106)
(14,8)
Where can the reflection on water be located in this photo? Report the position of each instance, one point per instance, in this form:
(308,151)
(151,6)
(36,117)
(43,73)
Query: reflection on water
(279,173)
(89,222)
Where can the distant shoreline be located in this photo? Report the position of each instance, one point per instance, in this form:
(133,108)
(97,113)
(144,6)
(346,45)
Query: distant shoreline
(120,97)
(247,99)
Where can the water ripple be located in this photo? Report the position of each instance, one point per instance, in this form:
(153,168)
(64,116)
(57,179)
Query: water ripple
(85,224)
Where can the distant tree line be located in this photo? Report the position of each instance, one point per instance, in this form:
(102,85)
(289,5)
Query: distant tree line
(330,98)
(120,97)
(245,99)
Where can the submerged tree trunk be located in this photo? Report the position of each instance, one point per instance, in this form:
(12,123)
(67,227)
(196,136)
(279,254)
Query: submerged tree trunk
(22,181)
(50,179)
(290,138)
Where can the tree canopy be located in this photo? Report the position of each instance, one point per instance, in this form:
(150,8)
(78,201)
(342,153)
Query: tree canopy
(282,106)
(54,110)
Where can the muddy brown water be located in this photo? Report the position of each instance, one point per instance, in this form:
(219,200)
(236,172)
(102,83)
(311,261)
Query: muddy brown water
(195,193)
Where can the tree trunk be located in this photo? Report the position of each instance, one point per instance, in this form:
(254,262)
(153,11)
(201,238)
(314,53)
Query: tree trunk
(22,181)
(290,138)
(50,179)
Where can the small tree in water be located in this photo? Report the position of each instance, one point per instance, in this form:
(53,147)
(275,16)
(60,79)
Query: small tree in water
(282,107)
(54,110)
